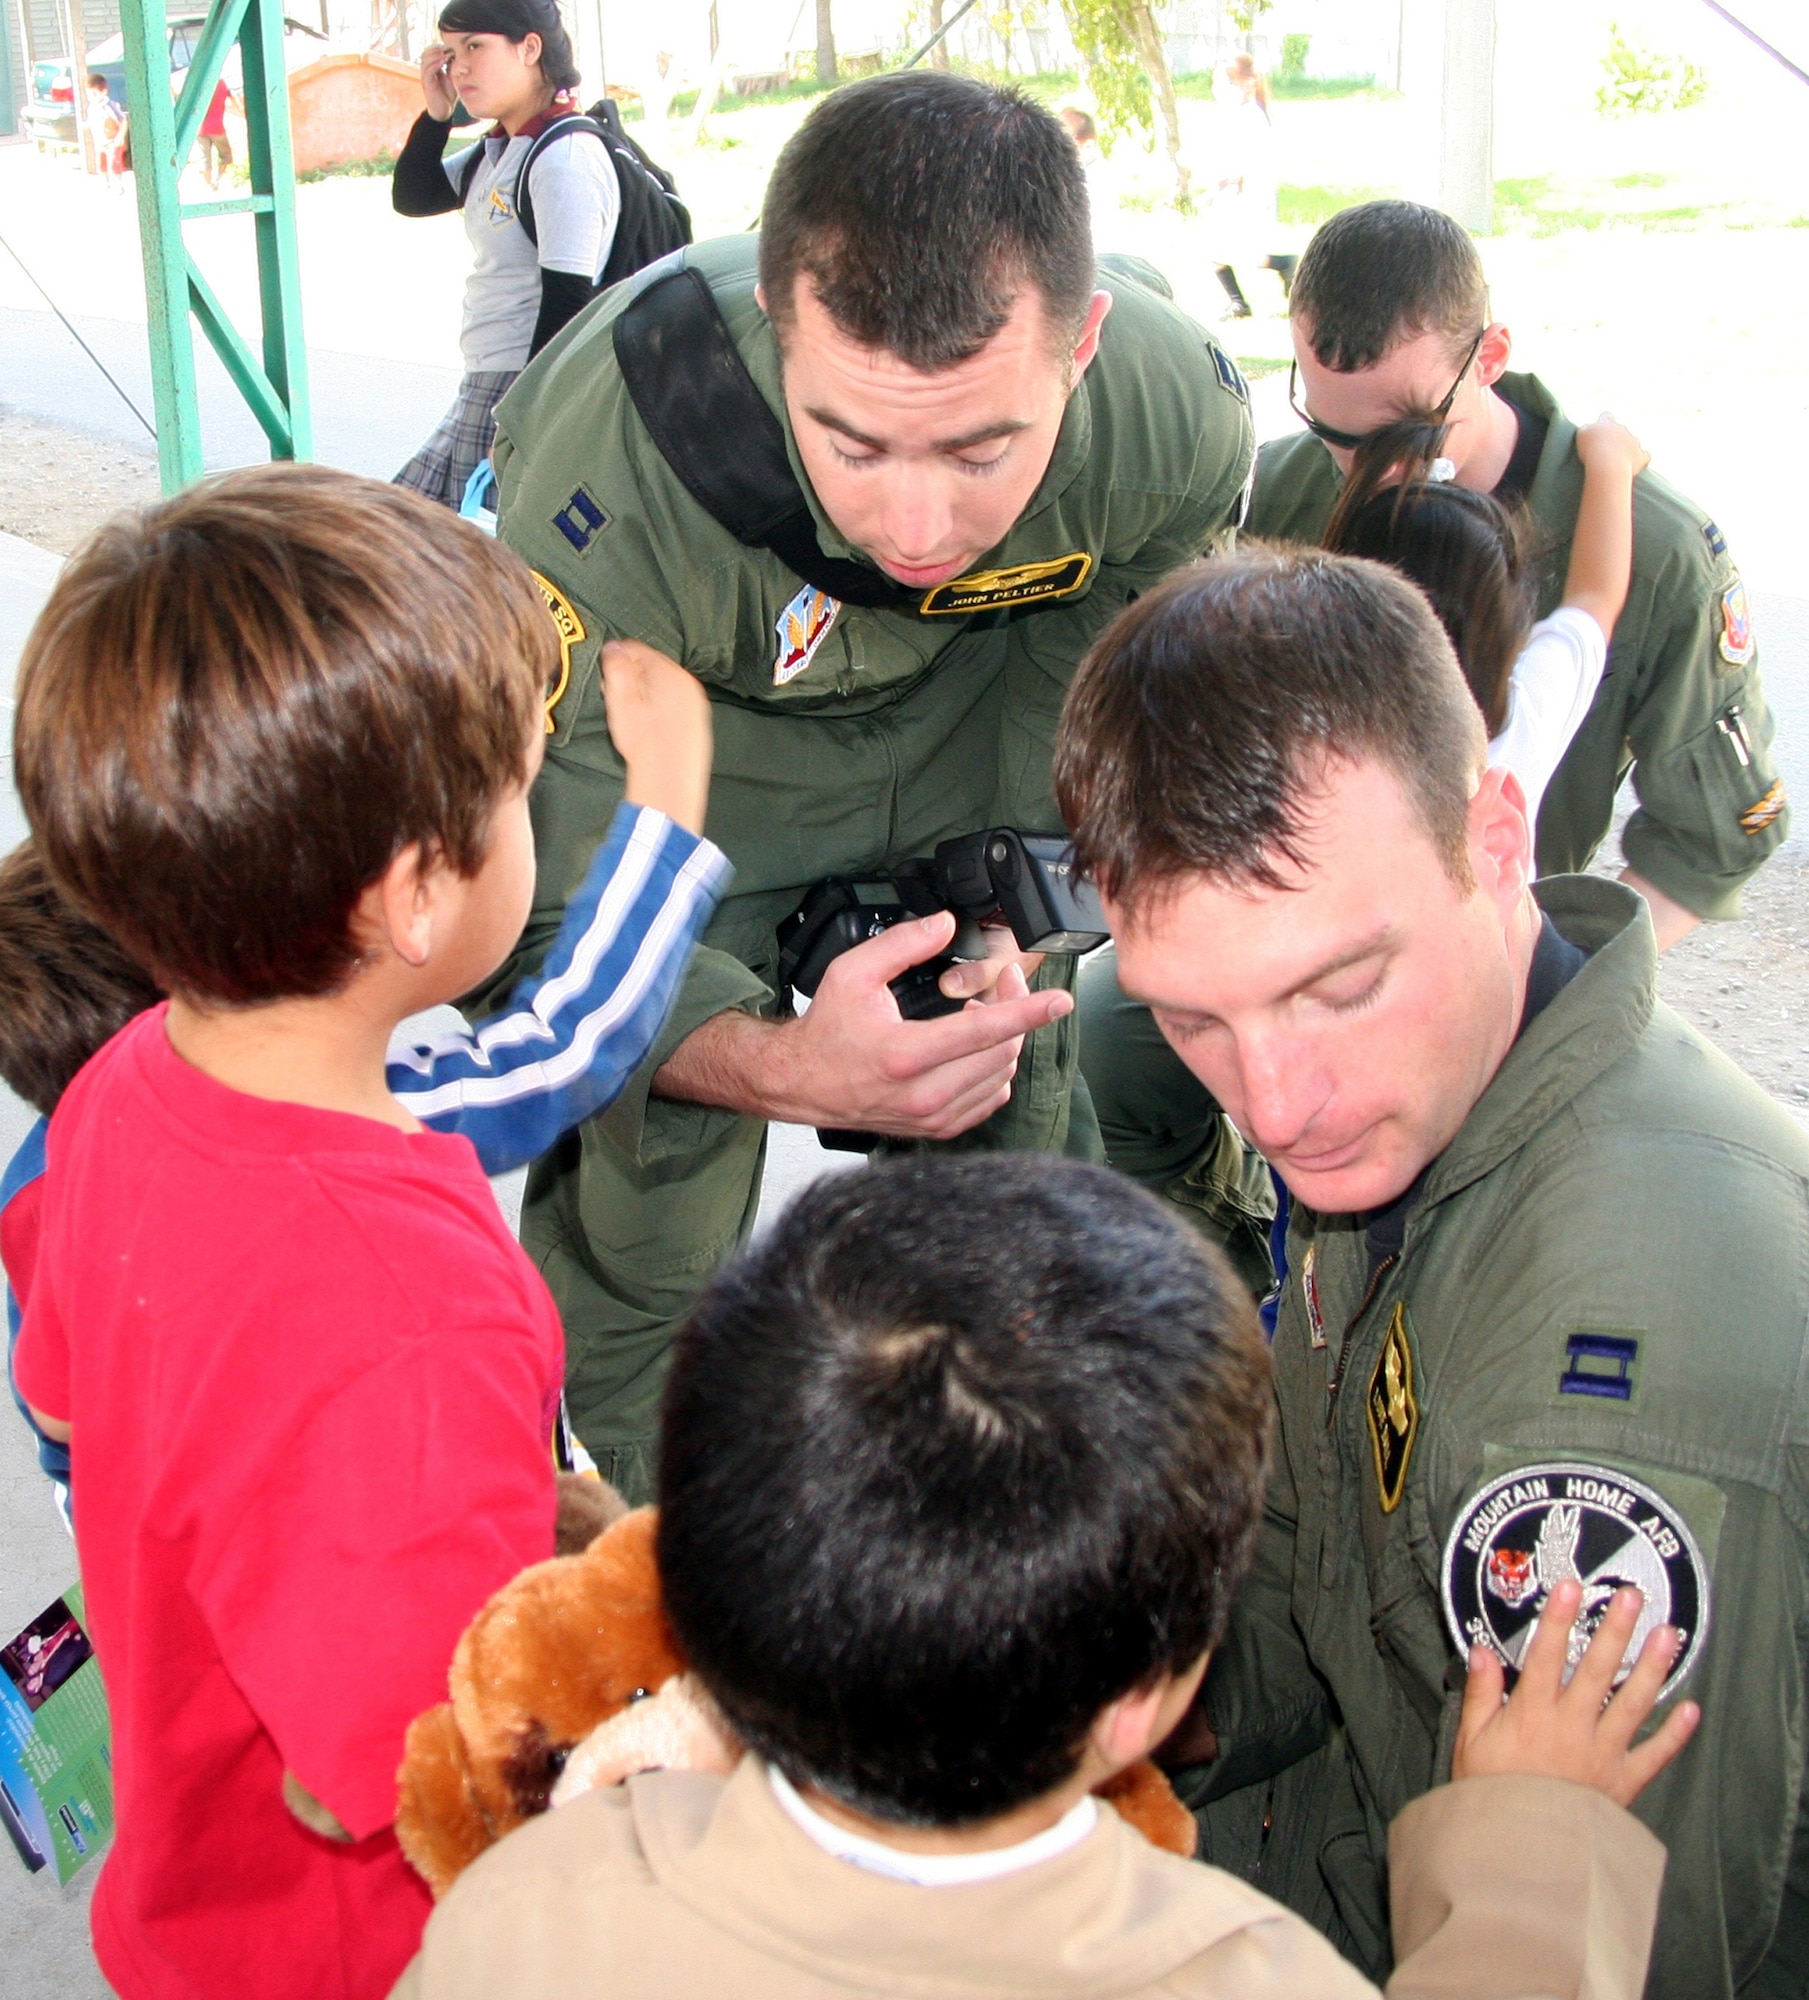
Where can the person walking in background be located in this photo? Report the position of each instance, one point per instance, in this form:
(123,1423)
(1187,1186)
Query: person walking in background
(539,250)
(107,121)
(216,148)
(1243,208)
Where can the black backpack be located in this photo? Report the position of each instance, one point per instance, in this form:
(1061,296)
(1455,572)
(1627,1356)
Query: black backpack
(652,222)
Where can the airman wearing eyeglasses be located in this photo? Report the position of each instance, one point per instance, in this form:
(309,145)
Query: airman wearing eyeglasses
(1390,319)
(1391,314)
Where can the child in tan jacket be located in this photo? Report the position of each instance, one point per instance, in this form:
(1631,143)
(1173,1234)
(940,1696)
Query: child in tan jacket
(959,1472)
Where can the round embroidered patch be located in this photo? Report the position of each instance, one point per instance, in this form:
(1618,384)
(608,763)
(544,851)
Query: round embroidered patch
(1533,1527)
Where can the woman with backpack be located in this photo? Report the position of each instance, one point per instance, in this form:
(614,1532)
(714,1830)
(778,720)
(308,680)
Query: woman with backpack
(540,249)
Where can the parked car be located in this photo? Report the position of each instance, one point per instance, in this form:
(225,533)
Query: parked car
(48,115)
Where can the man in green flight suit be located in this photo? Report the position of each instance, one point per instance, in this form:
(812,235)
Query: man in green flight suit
(1390,315)
(982,447)
(1509,1353)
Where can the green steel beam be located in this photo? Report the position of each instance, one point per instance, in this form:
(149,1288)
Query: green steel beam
(273,378)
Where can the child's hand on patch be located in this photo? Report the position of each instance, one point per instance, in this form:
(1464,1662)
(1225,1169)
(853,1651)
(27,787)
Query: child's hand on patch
(659,720)
(1581,1730)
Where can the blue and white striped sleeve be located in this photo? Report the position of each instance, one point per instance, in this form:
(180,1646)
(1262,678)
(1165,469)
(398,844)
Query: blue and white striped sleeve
(573,1034)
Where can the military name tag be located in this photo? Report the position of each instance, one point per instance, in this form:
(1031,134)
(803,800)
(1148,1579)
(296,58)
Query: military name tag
(1394,1412)
(1539,1525)
(1000,589)
(570,628)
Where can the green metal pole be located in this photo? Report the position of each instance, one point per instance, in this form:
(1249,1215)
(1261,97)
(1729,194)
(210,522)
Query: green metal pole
(279,259)
(156,169)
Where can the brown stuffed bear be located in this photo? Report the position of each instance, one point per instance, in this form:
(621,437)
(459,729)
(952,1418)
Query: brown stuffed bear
(570,1677)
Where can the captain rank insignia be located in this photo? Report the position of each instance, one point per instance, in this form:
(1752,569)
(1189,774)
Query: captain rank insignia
(1394,1412)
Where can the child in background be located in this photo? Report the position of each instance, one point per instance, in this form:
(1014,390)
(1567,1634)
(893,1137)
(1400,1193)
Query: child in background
(65,989)
(960,1468)
(1533,682)
(216,148)
(108,124)
(276,736)
(569,1039)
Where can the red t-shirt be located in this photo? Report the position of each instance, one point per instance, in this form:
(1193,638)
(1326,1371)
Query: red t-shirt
(215,121)
(311,1378)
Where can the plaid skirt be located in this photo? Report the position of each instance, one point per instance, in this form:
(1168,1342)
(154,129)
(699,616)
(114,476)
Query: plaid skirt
(443,466)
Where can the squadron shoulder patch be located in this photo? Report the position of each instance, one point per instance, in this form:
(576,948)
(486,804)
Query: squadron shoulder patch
(570,628)
(1394,1411)
(1760,814)
(1737,644)
(1538,1525)
(1003,589)
(803,626)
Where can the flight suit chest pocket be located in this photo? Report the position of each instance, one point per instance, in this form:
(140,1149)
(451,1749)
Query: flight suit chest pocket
(1722,781)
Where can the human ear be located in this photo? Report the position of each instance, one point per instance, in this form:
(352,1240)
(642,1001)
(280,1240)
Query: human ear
(1124,1730)
(1088,344)
(402,903)
(530,46)
(1492,355)
(1501,837)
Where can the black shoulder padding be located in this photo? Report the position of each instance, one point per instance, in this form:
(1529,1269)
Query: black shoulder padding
(719,435)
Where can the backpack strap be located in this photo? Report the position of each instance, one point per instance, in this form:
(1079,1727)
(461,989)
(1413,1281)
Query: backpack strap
(561,128)
(701,407)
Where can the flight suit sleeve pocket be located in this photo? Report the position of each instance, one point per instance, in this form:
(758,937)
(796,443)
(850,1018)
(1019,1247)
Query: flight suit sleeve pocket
(1711,810)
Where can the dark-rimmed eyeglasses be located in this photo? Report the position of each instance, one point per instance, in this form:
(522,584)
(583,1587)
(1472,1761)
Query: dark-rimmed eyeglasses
(1355,440)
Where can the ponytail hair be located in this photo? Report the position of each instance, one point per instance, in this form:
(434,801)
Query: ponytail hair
(1472,557)
(516,20)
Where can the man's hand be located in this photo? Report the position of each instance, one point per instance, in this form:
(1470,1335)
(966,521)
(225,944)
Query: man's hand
(1670,920)
(852,1062)
(436,86)
(1580,1732)
(976,978)
(659,721)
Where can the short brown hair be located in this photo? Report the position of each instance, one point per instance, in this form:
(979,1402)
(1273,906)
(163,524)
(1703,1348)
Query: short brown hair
(65,986)
(1198,725)
(1382,272)
(920,205)
(238,707)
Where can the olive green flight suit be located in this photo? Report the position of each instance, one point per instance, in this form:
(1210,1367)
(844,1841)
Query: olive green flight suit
(897,731)
(1619,1177)
(1681,704)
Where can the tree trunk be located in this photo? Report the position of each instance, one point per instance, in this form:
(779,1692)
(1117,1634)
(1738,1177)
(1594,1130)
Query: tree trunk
(939,54)
(825,43)
(1148,38)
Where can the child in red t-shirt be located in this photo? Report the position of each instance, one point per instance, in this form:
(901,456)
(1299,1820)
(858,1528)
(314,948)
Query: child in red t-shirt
(276,737)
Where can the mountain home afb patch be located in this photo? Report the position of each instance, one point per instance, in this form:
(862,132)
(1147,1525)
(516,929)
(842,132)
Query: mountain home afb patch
(1532,1528)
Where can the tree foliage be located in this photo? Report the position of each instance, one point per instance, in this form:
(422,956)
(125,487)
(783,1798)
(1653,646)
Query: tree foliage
(1126,67)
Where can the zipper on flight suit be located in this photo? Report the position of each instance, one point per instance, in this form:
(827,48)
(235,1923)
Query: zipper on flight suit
(1350,1326)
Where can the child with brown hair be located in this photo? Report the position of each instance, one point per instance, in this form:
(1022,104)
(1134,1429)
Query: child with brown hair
(276,737)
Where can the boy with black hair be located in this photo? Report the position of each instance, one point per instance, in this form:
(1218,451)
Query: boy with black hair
(276,736)
(959,1472)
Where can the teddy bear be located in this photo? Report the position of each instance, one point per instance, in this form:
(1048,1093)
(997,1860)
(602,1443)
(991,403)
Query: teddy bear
(570,1677)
